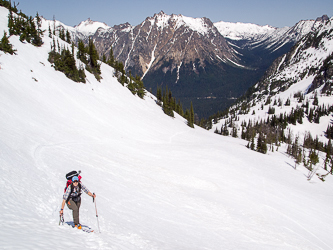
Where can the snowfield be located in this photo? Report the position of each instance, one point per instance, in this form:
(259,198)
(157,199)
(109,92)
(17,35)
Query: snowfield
(239,31)
(159,183)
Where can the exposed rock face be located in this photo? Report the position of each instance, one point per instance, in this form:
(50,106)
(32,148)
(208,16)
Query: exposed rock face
(164,38)
(201,62)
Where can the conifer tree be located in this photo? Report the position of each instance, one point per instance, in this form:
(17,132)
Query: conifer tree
(50,32)
(159,94)
(119,68)
(123,80)
(81,52)
(315,100)
(310,117)
(234,132)
(287,102)
(92,64)
(64,61)
(111,58)
(11,24)
(313,159)
(243,134)
(299,157)
(166,106)
(37,32)
(261,144)
(252,143)
(5,46)
(68,37)
(140,87)
(327,160)
(62,34)
(93,55)
(54,25)
(329,147)
(181,111)
(190,121)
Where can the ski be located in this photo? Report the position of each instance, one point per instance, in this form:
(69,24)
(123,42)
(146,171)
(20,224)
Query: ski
(84,228)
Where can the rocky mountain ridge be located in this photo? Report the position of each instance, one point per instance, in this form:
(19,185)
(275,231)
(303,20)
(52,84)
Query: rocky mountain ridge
(194,57)
(296,89)
(165,38)
(310,57)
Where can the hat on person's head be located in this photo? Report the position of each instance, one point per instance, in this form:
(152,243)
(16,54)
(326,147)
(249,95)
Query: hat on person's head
(75,178)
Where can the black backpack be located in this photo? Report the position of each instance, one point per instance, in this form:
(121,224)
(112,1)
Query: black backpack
(71,174)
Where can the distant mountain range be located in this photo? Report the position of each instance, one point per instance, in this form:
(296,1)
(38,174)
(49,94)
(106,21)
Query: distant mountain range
(295,93)
(310,58)
(209,64)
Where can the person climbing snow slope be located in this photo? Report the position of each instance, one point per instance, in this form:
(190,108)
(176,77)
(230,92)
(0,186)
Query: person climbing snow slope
(72,198)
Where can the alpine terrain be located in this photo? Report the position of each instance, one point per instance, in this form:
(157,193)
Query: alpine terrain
(209,64)
(292,102)
(160,184)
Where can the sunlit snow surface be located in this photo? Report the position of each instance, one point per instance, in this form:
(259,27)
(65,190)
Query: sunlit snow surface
(239,31)
(159,183)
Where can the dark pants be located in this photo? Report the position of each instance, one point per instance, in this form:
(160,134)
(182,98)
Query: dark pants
(75,206)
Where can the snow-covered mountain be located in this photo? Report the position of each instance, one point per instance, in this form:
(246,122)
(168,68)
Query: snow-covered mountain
(268,36)
(90,27)
(162,33)
(159,183)
(300,80)
(81,31)
(162,38)
(174,51)
(243,31)
(309,58)
(283,36)
(200,61)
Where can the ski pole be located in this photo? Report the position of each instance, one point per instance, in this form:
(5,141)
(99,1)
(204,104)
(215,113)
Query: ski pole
(96,214)
(61,220)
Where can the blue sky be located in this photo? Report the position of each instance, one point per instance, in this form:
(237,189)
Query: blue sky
(275,13)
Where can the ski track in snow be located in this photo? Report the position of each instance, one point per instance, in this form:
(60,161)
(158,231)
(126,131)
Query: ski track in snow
(159,183)
(311,237)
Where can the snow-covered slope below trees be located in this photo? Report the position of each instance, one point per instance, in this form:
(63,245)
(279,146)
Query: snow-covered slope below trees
(159,183)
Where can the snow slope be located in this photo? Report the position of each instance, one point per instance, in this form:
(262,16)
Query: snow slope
(159,183)
(294,68)
(257,113)
(243,31)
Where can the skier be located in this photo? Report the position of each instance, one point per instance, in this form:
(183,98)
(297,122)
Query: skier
(72,197)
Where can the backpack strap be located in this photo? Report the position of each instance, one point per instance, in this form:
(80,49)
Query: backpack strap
(72,189)
(69,182)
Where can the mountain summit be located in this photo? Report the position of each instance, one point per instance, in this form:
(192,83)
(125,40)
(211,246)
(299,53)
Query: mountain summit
(165,42)
(208,64)
(90,27)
